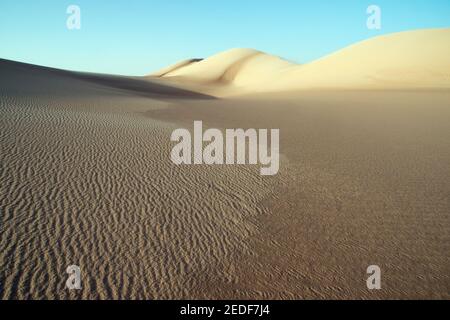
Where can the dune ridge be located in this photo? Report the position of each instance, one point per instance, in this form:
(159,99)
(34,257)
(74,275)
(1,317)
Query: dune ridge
(23,78)
(173,68)
(239,67)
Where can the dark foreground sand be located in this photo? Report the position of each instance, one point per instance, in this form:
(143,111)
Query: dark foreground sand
(86,179)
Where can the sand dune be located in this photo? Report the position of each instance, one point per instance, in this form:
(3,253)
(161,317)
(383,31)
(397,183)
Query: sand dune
(414,59)
(236,67)
(27,79)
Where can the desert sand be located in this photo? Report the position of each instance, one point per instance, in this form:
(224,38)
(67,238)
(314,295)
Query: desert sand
(407,60)
(86,178)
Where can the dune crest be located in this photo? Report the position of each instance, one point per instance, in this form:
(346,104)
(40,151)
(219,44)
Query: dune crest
(172,68)
(239,67)
(406,60)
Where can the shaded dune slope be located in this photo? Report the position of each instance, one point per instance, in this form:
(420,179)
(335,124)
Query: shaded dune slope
(27,78)
(170,69)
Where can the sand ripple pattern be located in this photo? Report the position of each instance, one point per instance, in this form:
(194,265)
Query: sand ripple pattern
(81,185)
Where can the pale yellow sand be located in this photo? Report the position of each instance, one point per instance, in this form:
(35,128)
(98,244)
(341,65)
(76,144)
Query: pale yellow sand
(86,178)
(407,60)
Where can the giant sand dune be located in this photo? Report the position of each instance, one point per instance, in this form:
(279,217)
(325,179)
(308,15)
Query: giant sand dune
(407,60)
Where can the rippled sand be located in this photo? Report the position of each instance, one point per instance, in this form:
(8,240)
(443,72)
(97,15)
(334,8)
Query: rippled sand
(86,179)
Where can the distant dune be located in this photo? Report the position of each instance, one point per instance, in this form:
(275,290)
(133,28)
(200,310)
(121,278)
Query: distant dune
(407,60)
(240,67)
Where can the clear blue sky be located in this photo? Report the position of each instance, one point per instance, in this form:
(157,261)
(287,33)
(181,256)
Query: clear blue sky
(136,37)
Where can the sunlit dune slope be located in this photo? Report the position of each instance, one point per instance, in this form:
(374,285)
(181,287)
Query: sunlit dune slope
(239,67)
(407,60)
